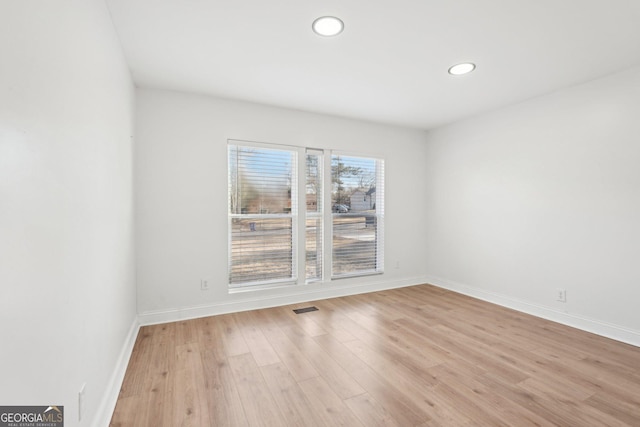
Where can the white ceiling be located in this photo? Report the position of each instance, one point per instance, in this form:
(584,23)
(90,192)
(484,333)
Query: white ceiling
(390,63)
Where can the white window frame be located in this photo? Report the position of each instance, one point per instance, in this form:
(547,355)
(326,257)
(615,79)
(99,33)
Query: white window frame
(321,239)
(295,221)
(329,214)
(299,217)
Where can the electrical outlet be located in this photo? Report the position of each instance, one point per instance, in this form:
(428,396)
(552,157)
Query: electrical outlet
(397,265)
(81,401)
(561,295)
(204,285)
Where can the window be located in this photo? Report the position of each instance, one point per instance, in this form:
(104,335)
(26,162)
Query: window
(314,215)
(262,215)
(357,192)
(329,225)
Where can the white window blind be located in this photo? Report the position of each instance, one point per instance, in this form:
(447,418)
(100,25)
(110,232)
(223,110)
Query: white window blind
(357,199)
(262,215)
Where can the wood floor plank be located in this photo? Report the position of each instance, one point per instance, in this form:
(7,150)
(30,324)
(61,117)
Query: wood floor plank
(370,412)
(392,365)
(124,414)
(290,398)
(339,379)
(466,350)
(329,407)
(223,398)
(259,405)
(152,410)
(306,323)
(380,306)
(622,410)
(189,397)
(261,349)
(505,355)
(555,392)
(460,376)
(561,411)
(407,341)
(454,407)
(393,400)
(232,338)
(332,321)
(158,362)
(135,377)
(186,332)
(207,331)
(297,364)
(417,356)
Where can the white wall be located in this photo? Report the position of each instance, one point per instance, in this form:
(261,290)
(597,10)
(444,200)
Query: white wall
(540,196)
(181,203)
(67,291)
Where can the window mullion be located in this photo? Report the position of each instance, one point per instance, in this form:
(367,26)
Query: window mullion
(327,217)
(313,206)
(301,217)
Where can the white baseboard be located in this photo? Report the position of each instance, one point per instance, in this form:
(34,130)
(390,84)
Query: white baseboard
(597,327)
(110,396)
(257,302)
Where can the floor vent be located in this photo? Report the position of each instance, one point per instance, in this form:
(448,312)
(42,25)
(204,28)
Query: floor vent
(305,310)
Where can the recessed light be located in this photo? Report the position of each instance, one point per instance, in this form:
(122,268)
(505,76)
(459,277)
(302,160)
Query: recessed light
(464,68)
(327,26)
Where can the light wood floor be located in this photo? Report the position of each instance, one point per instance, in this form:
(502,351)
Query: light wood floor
(417,356)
